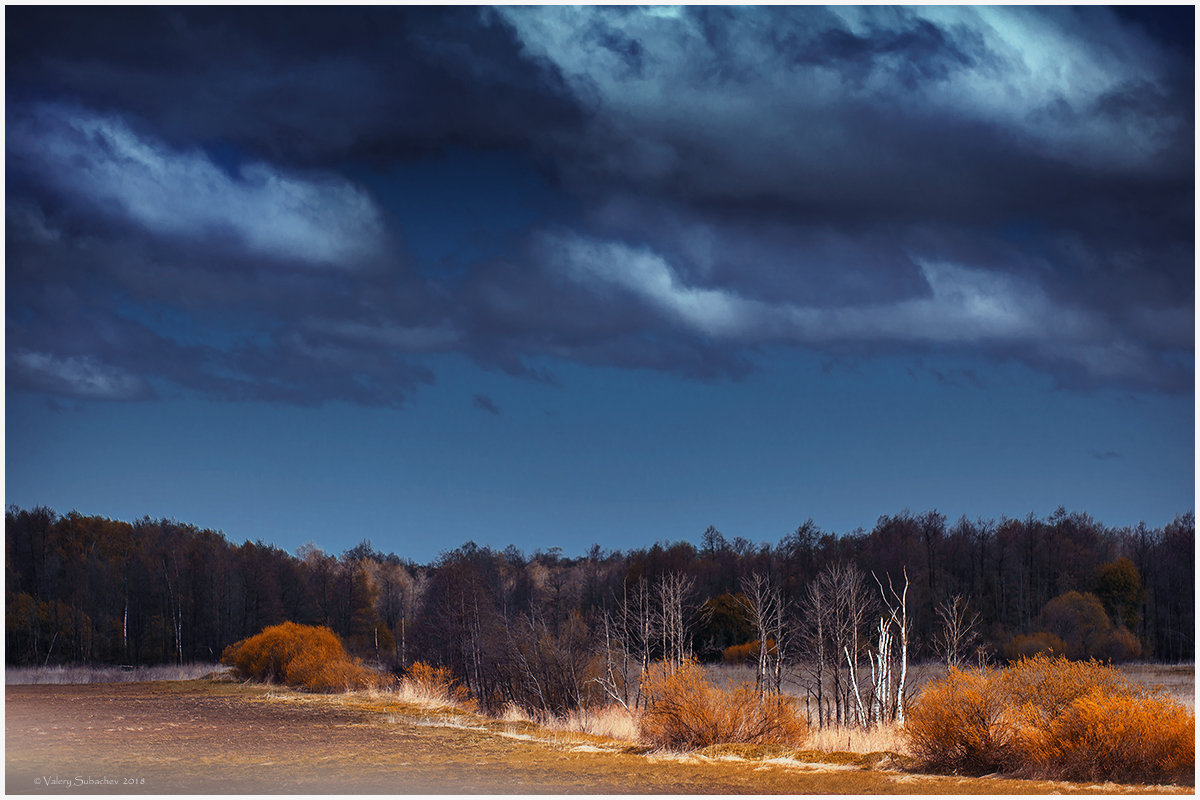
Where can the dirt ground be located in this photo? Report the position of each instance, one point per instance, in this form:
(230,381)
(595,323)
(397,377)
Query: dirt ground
(207,737)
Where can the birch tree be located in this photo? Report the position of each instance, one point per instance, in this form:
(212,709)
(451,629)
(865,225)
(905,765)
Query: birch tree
(676,616)
(889,664)
(958,635)
(763,603)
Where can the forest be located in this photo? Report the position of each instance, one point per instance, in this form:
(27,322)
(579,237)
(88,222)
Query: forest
(553,632)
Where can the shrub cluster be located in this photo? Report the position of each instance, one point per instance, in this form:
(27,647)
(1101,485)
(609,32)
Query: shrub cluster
(746,653)
(1050,717)
(306,656)
(1076,625)
(686,712)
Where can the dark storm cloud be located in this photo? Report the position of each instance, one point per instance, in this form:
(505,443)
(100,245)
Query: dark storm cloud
(307,85)
(1006,181)
(186,206)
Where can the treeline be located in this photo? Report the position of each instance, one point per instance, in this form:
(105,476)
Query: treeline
(86,589)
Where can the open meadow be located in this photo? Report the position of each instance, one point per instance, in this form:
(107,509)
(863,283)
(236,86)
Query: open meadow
(222,736)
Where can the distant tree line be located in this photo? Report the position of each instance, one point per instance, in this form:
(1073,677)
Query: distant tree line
(555,632)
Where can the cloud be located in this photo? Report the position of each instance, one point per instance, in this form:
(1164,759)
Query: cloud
(1013,182)
(317,87)
(485,403)
(644,274)
(81,377)
(405,338)
(959,308)
(108,309)
(313,219)
(667,93)
(695,186)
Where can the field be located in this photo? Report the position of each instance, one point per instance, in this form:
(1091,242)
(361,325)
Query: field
(206,736)
(79,673)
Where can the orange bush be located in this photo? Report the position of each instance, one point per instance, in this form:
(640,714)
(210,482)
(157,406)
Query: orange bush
(746,653)
(1042,687)
(959,724)
(1051,717)
(1120,737)
(686,712)
(299,655)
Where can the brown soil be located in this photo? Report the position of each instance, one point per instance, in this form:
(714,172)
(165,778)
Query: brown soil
(225,738)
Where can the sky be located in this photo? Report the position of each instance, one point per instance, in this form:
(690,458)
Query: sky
(562,276)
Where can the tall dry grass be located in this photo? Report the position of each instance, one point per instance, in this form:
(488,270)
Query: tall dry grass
(608,722)
(433,687)
(887,738)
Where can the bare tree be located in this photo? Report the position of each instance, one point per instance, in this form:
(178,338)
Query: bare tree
(676,616)
(893,625)
(615,680)
(629,632)
(816,610)
(763,603)
(852,606)
(548,666)
(836,608)
(959,634)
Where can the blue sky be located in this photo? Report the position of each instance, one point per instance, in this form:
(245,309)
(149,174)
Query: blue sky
(556,276)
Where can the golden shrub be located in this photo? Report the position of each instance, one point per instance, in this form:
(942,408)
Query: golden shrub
(1123,737)
(686,712)
(308,656)
(317,673)
(740,653)
(961,724)
(1045,685)
(1053,718)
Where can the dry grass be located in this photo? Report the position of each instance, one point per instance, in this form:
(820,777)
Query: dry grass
(514,713)
(609,722)
(851,739)
(1177,679)
(83,674)
(433,687)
